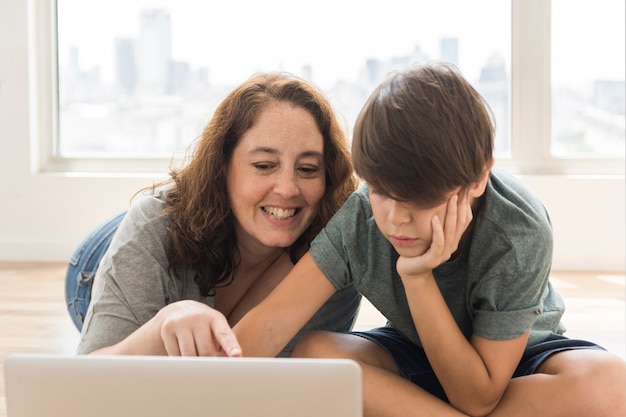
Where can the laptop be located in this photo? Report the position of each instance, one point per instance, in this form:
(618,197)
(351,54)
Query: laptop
(39,385)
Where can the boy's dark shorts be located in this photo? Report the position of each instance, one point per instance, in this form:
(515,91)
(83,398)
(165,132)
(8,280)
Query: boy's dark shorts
(414,366)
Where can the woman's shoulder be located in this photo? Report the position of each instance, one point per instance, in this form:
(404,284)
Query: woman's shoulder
(146,216)
(149,204)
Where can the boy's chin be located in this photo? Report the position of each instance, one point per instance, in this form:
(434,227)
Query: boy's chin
(411,252)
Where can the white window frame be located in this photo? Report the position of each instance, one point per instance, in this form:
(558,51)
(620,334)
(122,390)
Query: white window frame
(530,105)
(45,112)
(531,99)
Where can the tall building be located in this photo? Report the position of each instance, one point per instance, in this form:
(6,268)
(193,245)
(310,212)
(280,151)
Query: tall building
(154,53)
(307,72)
(449,49)
(375,71)
(181,77)
(125,65)
(493,85)
(609,96)
(74,66)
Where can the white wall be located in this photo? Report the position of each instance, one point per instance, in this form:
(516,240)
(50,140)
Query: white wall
(44,216)
(587,215)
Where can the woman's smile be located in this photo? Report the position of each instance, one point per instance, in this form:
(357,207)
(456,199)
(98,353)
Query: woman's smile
(279,213)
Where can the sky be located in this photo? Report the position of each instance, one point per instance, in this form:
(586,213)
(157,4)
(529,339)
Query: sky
(339,35)
(588,37)
(235,40)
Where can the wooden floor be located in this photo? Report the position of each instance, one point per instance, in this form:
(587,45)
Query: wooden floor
(33,316)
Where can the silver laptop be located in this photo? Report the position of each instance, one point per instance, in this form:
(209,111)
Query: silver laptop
(131,386)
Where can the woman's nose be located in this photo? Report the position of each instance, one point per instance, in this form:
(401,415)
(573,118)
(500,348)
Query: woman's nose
(287,184)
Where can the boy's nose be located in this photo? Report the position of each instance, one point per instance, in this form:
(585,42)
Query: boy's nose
(397,214)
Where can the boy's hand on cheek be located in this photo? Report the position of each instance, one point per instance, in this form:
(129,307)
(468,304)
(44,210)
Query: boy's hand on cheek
(445,241)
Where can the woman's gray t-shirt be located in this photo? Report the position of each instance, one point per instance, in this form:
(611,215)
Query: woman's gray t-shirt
(497,287)
(134,283)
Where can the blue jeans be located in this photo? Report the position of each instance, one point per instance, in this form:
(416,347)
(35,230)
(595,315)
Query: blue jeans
(83,266)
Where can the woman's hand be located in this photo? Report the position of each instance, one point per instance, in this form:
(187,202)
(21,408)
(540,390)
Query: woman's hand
(190,328)
(445,239)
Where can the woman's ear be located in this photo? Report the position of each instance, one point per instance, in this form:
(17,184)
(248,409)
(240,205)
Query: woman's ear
(478,188)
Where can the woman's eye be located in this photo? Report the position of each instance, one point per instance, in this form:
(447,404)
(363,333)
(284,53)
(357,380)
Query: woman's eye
(262,166)
(309,170)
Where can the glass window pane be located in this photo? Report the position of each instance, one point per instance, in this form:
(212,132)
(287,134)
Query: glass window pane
(588,78)
(140,78)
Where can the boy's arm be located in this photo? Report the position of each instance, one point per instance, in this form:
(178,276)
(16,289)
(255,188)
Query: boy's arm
(474,374)
(268,327)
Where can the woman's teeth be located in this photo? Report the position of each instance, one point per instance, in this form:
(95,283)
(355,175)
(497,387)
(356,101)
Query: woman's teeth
(279,213)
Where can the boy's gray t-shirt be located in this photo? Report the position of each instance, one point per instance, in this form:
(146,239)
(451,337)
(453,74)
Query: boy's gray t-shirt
(497,287)
(134,283)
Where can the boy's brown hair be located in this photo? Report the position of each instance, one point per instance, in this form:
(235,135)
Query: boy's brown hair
(422,133)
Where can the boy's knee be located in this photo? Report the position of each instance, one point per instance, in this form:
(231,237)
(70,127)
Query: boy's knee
(323,344)
(609,378)
(600,382)
(320,344)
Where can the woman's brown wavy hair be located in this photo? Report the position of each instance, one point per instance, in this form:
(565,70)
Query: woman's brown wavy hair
(201,234)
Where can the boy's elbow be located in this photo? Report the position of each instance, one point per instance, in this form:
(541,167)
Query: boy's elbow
(479,411)
(477,407)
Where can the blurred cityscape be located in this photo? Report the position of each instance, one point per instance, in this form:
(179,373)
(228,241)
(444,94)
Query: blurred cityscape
(157,106)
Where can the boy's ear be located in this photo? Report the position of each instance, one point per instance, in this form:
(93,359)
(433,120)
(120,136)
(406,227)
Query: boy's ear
(478,188)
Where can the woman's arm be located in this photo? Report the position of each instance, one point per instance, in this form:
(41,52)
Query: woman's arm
(269,326)
(183,328)
(190,328)
(130,312)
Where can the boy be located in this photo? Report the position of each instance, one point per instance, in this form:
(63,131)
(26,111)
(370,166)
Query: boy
(456,256)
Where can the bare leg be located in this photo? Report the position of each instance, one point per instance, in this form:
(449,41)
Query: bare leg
(385,392)
(590,383)
(574,383)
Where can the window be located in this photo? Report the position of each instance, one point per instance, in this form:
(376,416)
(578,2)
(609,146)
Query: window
(588,78)
(138,79)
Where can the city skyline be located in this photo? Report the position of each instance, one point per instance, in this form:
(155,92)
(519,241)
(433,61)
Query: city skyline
(237,34)
(132,61)
(234,44)
(146,67)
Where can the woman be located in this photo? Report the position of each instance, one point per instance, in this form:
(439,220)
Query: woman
(194,254)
